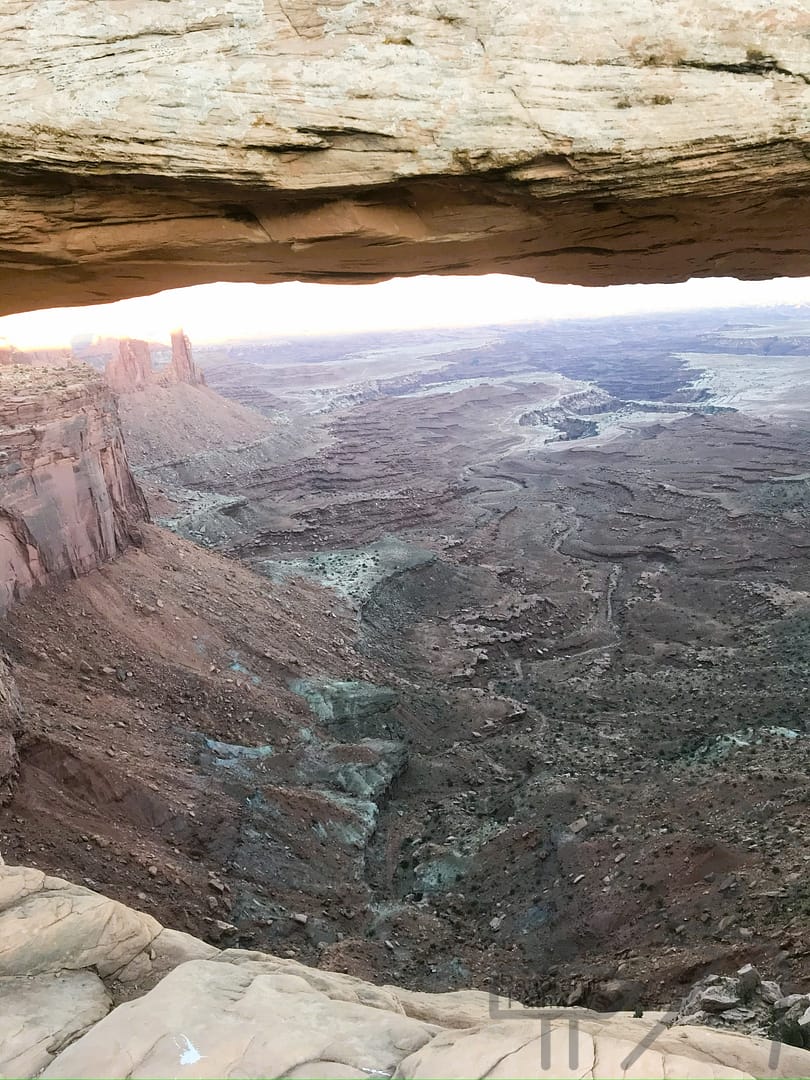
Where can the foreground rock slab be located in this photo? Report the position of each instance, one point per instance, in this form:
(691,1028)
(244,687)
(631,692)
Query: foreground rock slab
(42,1014)
(67,953)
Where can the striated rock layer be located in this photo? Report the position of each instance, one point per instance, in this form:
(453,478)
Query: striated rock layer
(68,501)
(67,955)
(156,145)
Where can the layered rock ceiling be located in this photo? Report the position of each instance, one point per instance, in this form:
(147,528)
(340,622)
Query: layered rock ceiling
(164,144)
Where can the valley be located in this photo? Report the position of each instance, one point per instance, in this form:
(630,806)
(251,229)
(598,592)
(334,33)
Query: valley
(463,658)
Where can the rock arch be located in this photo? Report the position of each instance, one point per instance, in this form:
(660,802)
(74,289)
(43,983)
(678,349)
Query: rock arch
(156,145)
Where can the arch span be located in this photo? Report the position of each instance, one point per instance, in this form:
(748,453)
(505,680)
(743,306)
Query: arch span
(147,146)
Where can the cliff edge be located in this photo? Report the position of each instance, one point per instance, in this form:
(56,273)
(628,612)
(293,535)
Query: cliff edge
(68,501)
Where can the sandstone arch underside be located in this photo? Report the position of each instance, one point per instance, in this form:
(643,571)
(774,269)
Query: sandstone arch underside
(146,146)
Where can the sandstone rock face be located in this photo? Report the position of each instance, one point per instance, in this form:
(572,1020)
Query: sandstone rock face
(68,501)
(182,368)
(199,1012)
(148,146)
(42,1014)
(130,367)
(10,718)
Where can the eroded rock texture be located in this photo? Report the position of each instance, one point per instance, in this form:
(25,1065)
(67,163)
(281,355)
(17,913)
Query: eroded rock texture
(201,1012)
(10,712)
(68,501)
(155,145)
(130,367)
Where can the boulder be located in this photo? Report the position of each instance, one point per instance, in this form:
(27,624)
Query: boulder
(48,925)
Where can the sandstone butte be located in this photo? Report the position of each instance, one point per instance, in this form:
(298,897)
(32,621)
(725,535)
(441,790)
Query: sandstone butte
(144,146)
(130,367)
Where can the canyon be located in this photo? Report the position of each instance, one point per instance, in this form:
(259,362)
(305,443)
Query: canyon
(462,658)
(468,658)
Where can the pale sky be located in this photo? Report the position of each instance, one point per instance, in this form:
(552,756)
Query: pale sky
(224,310)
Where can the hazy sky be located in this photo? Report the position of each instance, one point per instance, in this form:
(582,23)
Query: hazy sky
(221,311)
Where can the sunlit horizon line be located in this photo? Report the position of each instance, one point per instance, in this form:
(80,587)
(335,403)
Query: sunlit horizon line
(499,301)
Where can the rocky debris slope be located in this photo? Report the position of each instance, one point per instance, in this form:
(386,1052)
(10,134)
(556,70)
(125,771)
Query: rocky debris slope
(68,501)
(89,987)
(159,146)
(747,1002)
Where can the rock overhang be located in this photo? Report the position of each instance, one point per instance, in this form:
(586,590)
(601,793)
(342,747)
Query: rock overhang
(148,148)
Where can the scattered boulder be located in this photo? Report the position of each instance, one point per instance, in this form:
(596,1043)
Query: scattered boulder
(745,1002)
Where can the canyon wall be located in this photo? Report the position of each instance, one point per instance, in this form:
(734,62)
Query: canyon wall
(68,501)
(130,367)
(156,145)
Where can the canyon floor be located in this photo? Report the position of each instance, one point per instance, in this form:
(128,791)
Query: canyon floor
(471,658)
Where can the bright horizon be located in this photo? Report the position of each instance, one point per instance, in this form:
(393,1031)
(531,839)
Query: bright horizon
(228,311)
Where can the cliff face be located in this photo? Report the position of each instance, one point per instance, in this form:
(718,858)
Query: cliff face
(148,146)
(9,723)
(68,501)
(130,367)
(182,368)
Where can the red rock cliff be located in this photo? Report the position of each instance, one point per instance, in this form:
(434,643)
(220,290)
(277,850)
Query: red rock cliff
(68,501)
(182,368)
(130,367)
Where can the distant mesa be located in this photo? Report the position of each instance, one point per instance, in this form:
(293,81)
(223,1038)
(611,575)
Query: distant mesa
(35,357)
